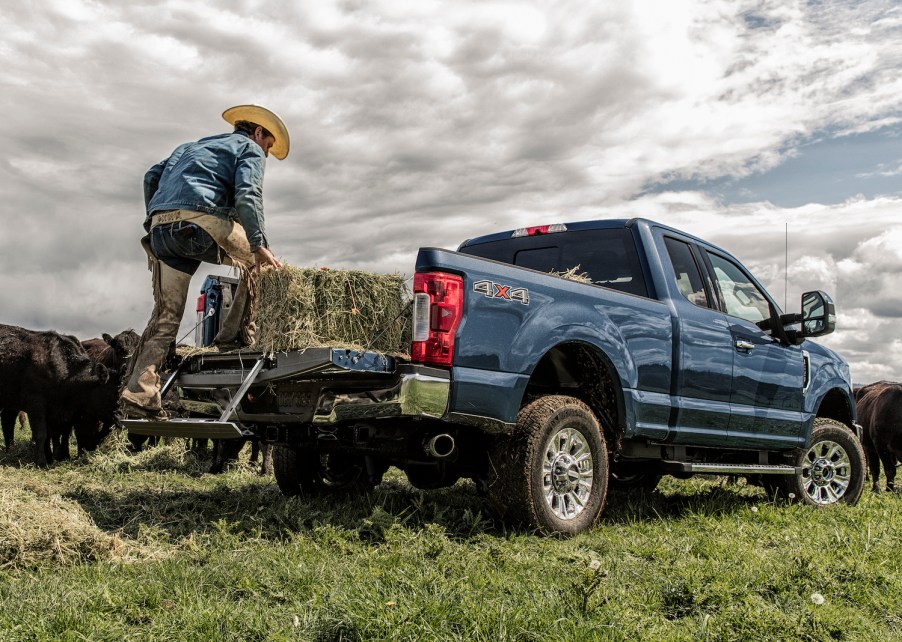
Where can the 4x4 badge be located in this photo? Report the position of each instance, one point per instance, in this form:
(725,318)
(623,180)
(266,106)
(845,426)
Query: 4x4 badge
(498,291)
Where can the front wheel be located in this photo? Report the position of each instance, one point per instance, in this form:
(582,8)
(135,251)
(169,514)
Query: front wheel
(552,473)
(832,468)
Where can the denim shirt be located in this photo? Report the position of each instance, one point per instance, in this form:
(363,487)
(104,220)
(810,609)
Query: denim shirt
(220,175)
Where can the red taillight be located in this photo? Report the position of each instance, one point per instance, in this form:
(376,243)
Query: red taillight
(202,303)
(438,300)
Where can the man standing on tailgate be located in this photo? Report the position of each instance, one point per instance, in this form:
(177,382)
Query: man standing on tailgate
(204,204)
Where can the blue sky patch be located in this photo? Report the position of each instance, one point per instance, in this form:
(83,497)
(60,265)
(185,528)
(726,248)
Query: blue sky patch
(826,170)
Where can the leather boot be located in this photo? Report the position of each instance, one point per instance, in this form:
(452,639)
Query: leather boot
(170,289)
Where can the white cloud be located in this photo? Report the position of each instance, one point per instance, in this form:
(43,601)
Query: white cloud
(882,171)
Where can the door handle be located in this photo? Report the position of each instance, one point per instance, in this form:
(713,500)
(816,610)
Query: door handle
(742,344)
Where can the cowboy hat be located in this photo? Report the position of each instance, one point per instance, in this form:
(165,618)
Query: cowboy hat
(267,120)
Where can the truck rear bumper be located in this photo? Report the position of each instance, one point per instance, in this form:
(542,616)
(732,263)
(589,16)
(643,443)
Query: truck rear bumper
(418,392)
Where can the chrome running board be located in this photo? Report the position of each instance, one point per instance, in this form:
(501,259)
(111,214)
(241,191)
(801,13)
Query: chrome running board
(728,469)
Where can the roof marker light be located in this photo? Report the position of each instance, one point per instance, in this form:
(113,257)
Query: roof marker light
(539,229)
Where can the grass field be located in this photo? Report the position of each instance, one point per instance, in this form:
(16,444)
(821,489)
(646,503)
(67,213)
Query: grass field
(149,547)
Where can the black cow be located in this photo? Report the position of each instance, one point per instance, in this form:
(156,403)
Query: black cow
(113,352)
(8,419)
(90,430)
(51,378)
(880,414)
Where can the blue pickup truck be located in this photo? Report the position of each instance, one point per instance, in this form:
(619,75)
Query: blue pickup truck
(666,358)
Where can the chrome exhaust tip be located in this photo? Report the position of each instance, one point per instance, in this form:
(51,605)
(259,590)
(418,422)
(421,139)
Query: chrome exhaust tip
(440,446)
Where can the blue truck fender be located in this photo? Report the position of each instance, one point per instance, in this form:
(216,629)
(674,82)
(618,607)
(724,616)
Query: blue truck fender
(829,391)
(499,394)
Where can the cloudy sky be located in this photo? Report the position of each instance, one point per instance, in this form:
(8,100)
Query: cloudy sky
(424,123)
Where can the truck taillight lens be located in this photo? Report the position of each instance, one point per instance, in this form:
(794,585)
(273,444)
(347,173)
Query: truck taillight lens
(438,300)
(202,303)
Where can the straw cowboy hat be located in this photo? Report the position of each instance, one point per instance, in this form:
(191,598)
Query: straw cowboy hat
(266,119)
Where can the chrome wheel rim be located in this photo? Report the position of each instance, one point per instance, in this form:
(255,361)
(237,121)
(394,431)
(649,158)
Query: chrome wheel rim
(826,472)
(567,473)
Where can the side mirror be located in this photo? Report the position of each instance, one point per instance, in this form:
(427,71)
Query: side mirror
(818,317)
(818,314)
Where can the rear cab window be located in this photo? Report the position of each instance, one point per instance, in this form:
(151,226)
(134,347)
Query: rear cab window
(687,273)
(608,256)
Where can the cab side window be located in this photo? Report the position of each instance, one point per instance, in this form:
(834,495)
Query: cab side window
(741,296)
(685,269)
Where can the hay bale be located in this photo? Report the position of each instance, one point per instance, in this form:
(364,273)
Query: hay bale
(298,308)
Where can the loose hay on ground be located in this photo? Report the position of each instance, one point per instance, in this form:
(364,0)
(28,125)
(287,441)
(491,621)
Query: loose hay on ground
(299,308)
(38,526)
(115,456)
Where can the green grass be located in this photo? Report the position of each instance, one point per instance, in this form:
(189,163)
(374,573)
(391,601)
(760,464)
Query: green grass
(149,547)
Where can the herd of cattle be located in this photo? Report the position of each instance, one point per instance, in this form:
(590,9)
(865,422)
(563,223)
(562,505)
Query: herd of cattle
(62,384)
(67,386)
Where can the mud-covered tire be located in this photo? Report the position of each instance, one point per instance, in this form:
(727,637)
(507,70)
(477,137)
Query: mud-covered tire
(313,473)
(833,467)
(552,473)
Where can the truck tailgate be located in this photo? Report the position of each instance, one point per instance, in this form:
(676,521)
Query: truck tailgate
(313,386)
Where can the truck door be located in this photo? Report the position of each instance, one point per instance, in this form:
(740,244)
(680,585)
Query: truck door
(768,377)
(703,354)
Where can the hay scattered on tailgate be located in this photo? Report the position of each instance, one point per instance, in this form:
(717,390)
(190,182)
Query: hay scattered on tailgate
(300,308)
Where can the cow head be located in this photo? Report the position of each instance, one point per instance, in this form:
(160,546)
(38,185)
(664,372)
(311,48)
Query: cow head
(124,345)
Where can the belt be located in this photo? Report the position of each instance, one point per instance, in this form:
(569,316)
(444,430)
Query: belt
(173,216)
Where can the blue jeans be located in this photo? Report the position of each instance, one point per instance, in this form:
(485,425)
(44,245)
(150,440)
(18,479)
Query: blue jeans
(183,246)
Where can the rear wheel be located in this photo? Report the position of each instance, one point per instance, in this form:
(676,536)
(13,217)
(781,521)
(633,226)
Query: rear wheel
(552,473)
(832,468)
(285,463)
